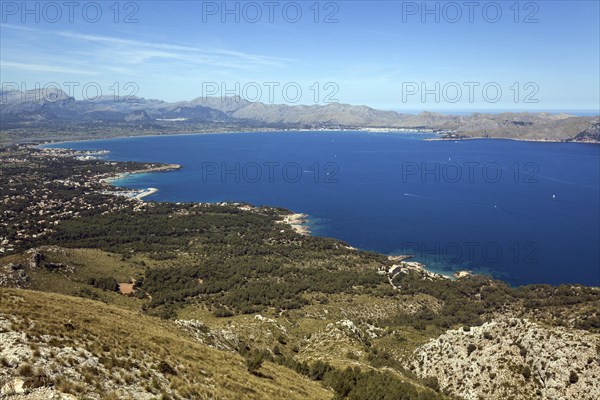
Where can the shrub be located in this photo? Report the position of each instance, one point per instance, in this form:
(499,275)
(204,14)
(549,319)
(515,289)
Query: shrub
(105,283)
(38,380)
(163,312)
(281,339)
(318,370)
(471,348)
(573,377)
(432,383)
(420,325)
(254,361)
(25,370)
(87,293)
(222,313)
(522,351)
(166,368)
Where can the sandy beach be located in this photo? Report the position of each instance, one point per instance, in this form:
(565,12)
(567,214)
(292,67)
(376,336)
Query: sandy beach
(138,194)
(298,223)
(159,168)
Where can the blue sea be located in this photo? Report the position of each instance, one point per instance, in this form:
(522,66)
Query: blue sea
(522,212)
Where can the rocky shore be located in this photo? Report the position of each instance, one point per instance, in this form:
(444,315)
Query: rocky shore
(298,222)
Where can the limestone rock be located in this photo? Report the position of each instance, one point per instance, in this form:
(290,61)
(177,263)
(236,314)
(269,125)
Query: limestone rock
(516,358)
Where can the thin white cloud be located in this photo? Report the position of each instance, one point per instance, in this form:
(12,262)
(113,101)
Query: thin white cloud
(254,58)
(137,51)
(43,68)
(18,28)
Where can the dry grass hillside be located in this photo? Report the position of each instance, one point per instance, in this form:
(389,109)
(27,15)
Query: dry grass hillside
(80,348)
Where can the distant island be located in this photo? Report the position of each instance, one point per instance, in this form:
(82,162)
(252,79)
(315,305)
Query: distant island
(53,115)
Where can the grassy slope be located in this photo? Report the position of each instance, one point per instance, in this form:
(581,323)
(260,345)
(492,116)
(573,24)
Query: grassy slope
(201,371)
(311,333)
(308,334)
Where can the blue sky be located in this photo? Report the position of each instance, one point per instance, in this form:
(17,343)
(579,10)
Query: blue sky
(379,53)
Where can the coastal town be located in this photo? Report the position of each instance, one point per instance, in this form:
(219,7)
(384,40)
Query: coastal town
(44,186)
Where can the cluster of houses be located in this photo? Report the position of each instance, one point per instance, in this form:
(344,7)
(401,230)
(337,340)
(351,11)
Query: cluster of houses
(31,206)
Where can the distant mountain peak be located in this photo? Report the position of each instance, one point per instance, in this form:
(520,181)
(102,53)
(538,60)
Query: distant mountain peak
(41,95)
(138,116)
(23,110)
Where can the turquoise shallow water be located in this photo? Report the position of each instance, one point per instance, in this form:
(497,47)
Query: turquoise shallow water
(523,212)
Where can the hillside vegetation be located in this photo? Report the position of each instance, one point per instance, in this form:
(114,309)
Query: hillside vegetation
(119,298)
(84,347)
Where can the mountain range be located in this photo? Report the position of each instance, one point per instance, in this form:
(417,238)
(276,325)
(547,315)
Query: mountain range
(38,114)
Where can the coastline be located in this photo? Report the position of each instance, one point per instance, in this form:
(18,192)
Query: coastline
(298,222)
(450,139)
(389,130)
(137,194)
(404,263)
(155,168)
(47,142)
(146,193)
(110,179)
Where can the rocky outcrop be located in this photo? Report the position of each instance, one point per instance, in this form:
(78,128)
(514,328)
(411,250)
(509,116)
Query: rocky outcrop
(138,116)
(513,358)
(14,275)
(591,134)
(15,389)
(58,267)
(46,361)
(217,339)
(36,259)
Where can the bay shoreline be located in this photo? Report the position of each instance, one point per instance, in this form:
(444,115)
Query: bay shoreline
(383,130)
(298,221)
(297,225)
